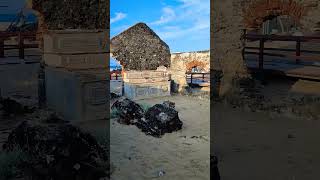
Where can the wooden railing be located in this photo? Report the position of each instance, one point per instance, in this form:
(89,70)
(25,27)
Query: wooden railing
(21,46)
(298,52)
(115,75)
(198,78)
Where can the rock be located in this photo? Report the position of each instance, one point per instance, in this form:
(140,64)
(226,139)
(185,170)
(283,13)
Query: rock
(169,104)
(140,48)
(114,96)
(58,151)
(128,111)
(160,119)
(12,107)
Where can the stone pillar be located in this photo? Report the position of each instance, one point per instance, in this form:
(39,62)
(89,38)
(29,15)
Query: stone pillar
(146,84)
(74,35)
(226,46)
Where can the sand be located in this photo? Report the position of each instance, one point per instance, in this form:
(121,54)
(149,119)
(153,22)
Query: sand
(265,146)
(268,145)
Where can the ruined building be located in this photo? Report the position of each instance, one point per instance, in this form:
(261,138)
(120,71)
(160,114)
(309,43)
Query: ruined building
(145,59)
(230,18)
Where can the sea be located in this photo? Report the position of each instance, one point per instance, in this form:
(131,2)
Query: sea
(12,17)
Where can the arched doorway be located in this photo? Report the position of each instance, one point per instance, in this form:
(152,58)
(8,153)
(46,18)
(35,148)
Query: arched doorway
(273,16)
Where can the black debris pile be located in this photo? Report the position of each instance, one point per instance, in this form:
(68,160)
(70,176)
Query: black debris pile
(114,96)
(11,107)
(128,112)
(58,151)
(160,119)
(169,104)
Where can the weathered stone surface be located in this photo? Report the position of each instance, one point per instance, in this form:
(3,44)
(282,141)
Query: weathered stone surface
(128,111)
(139,48)
(74,14)
(160,119)
(58,151)
(77,61)
(140,90)
(75,41)
(77,95)
(184,62)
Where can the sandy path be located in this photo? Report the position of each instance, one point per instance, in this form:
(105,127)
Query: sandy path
(137,156)
(265,146)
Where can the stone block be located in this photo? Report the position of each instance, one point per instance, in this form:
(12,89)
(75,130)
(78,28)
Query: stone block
(146,90)
(77,61)
(77,95)
(145,74)
(146,80)
(75,41)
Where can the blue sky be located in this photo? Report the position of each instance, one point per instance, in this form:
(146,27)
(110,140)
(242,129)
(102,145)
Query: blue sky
(183,24)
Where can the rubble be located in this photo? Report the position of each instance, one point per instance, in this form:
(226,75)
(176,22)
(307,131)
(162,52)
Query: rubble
(58,151)
(128,111)
(12,107)
(160,119)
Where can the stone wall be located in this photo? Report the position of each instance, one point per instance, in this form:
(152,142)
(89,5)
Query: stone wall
(228,19)
(183,62)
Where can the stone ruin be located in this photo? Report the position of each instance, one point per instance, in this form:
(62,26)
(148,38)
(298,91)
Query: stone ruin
(75,56)
(145,59)
(230,18)
(181,63)
(75,59)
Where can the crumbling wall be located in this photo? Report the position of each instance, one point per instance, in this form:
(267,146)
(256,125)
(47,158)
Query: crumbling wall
(230,18)
(139,48)
(226,44)
(183,62)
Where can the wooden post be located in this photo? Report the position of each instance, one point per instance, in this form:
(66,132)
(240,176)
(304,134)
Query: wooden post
(1,48)
(203,77)
(261,51)
(116,76)
(21,46)
(298,50)
(191,78)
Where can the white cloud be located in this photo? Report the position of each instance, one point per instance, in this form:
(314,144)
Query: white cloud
(119,16)
(191,18)
(168,15)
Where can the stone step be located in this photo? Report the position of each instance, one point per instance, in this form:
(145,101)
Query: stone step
(75,41)
(77,61)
